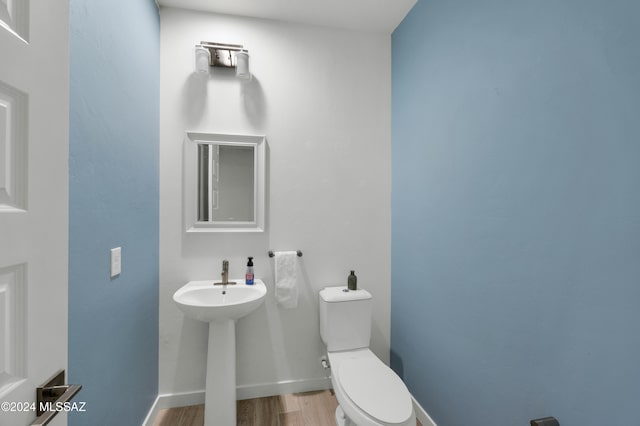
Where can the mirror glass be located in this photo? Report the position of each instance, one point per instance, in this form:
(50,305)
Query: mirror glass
(224,182)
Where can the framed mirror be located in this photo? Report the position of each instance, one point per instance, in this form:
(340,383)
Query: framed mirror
(224,182)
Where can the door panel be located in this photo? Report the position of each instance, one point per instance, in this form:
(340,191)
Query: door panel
(34,109)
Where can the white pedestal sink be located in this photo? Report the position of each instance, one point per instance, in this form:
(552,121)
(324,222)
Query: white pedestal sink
(220,306)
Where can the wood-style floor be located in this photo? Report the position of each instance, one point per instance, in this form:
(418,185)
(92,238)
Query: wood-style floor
(310,408)
(300,409)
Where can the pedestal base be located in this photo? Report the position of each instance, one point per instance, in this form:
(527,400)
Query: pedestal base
(220,387)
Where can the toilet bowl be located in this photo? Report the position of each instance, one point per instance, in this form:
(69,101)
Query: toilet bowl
(369,393)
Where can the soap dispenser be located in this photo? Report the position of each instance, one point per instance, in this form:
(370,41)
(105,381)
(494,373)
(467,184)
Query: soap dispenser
(352,281)
(249,275)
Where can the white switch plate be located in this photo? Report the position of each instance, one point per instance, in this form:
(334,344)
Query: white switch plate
(116,261)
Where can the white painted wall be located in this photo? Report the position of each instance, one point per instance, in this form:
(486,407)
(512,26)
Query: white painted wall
(322,98)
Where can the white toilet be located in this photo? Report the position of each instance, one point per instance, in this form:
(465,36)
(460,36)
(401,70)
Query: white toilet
(369,392)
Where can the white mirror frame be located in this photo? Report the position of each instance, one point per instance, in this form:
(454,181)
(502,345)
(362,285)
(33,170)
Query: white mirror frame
(190,179)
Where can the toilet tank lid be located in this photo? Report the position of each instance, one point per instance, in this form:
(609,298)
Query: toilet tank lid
(343,294)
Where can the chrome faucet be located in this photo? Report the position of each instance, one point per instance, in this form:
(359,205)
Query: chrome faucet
(225,271)
(225,274)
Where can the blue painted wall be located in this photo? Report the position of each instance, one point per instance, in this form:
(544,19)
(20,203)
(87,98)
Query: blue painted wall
(516,210)
(114,193)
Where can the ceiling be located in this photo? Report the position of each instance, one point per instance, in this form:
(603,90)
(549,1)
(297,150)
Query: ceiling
(363,15)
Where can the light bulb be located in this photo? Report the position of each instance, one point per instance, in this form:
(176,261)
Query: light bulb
(203,57)
(242,65)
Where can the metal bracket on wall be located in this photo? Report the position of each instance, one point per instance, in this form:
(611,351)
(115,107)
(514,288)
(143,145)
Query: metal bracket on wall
(51,398)
(546,421)
(221,55)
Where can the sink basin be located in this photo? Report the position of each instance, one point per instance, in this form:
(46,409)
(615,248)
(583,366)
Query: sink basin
(203,301)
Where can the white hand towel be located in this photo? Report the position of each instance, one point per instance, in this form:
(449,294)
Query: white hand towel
(286,280)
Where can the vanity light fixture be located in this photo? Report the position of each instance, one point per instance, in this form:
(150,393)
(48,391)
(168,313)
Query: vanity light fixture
(210,54)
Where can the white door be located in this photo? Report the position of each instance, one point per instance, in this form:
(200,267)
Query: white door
(34,141)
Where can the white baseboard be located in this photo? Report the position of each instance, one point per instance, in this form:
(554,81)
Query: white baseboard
(421,414)
(152,414)
(172,400)
(242,392)
(282,388)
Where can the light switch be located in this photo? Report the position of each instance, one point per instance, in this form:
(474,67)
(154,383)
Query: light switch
(116,261)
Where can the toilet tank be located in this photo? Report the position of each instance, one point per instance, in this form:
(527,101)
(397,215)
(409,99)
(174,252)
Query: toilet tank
(345,318)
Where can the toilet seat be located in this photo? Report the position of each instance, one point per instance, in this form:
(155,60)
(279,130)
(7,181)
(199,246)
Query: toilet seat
(370,392)
(375,389)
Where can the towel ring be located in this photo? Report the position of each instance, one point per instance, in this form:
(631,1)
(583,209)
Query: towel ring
(298,252)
